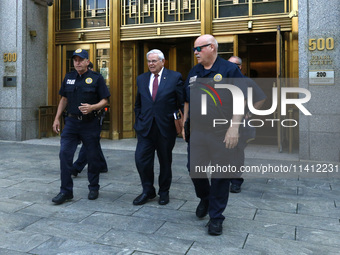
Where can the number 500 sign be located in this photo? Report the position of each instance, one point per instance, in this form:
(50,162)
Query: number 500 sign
(10,57)
(321,44)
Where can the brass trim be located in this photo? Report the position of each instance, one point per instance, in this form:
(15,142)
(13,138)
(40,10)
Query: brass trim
(168,30)
(260,24)
(87,35)
(52,55)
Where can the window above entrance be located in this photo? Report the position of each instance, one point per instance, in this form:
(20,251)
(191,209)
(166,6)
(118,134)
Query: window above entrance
(74,14)
(154,11)
(233,8)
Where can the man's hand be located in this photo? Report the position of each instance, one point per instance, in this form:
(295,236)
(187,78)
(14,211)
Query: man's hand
(85,108)
(56,126)
(231,137)
(183,133)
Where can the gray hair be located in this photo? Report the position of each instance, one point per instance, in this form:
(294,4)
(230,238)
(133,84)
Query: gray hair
(239,60)
(214,41)
(155,51)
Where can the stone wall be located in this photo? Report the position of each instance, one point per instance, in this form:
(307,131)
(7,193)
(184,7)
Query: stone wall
(320,133)
(20,21)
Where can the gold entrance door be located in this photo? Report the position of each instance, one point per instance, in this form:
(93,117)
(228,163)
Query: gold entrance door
(102,66)
(279,84)
(99,56)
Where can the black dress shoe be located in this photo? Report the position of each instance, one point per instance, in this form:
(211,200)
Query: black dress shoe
(93,194)
(61,198)
(143,198)
(234,188)
(215,227)
(104,170)
(163,199)
(202,208)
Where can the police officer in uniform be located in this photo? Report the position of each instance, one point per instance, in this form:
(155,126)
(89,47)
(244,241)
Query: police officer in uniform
(83,93)
(209,147)
(81,161)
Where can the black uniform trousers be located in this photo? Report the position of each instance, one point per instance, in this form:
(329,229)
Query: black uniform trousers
(145,156)
(81,161)
(207,149)
(89,133)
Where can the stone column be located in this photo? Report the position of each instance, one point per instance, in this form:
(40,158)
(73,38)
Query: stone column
(318,27)
(23,33)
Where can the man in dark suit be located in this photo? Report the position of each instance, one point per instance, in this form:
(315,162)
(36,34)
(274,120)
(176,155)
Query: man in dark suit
(159,96)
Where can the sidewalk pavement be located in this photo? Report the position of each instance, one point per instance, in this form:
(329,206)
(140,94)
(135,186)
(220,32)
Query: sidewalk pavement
(270,216)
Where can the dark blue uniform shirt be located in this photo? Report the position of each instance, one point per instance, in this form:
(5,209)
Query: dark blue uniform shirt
(87,88)
(220,101)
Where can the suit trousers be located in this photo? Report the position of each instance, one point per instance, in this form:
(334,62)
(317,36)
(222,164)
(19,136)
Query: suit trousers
(145,156)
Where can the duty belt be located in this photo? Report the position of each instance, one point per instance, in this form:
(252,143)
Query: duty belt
(87,117)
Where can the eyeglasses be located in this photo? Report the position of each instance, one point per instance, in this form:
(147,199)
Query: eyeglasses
(199,48)
(152,61)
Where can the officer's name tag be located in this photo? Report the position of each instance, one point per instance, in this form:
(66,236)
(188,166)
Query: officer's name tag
(192,79)
(70,81)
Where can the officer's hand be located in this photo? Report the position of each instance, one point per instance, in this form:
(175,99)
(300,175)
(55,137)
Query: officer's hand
(56,126)
(85,108)
(231,137)
(183,133)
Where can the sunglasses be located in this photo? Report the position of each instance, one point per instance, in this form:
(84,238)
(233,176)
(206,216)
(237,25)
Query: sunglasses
(199,48)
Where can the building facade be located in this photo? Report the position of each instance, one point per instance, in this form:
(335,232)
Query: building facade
(275,39)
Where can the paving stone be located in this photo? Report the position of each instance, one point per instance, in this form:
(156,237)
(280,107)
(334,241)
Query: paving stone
(202,248)
(322,209)
(35,197)
(61,211)
(195,232)
(298,220)
(317,236)
(230,211)
(264,204)
(277,246)
(10,221)
(10,192)
(4,183)
(56,246)
(308,194)
(259,228)
(122,222)
(314,183)
(10,205)
(68,230)
(10,252)
(21,241)
(147,243)
(168,215)
(104,205)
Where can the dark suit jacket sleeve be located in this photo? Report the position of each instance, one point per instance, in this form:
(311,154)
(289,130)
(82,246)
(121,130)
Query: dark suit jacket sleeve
(137,104)
(180,92)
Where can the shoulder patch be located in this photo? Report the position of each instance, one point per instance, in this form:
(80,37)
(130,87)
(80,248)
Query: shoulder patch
(89,80)
(218,77)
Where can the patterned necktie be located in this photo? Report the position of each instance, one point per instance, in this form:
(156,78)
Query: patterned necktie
(154,87)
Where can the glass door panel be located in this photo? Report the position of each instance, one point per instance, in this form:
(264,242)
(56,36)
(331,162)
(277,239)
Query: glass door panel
(102,66)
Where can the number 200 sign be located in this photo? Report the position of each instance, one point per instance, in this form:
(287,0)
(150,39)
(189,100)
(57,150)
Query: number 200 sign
(321,44)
